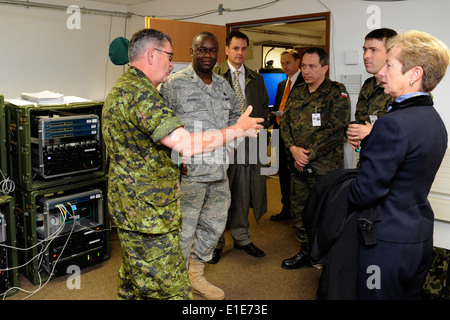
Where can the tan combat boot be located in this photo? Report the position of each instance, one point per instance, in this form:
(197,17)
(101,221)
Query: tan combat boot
(200,285)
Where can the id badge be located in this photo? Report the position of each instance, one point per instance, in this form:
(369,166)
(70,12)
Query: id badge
(372,119)
(316,120)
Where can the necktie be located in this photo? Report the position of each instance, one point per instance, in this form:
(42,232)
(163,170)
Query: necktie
(284,98)
(238,91)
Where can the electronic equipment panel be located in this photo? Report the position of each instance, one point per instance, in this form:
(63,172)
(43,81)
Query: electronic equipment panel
(3,158)
(9,272)
(71,229)
(4,275)
(52,145)
(3,235)
(64,145)
(81,248)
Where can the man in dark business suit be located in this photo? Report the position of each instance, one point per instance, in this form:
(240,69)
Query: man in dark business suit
(290,62)
(247,184)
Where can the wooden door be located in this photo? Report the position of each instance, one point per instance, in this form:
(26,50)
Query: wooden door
(183,33)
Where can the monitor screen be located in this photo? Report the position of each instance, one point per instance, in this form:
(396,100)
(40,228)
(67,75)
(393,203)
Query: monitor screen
(271,79)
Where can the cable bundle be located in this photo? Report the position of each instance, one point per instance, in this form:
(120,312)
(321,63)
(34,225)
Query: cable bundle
(6,185)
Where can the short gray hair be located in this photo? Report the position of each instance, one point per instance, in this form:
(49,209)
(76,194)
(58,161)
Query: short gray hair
(141,39)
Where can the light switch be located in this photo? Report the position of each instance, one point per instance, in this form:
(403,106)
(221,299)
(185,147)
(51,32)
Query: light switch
(351,57)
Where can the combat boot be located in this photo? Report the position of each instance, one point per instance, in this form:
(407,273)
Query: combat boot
(200,285)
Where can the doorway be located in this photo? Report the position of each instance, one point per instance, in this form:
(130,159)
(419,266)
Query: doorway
(269,37)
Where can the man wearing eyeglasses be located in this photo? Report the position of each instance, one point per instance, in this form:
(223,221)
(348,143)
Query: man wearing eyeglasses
(144,175)
(204,101)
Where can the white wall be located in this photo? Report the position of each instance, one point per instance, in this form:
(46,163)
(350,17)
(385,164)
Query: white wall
(349,24)
(39,52)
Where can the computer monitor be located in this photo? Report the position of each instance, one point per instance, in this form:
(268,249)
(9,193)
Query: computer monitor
(271,80)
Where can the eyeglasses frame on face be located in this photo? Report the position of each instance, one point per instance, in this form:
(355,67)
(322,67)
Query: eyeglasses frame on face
(169,54)
(203,50)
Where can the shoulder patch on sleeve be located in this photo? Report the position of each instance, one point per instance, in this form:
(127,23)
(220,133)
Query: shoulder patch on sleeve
(343,89)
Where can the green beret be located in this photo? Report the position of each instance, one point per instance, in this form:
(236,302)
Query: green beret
(118,51)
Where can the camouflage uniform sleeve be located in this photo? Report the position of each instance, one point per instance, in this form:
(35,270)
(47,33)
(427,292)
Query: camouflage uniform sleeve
(166,93)
(154,117)
(332,134)
(372,101)
(361,112)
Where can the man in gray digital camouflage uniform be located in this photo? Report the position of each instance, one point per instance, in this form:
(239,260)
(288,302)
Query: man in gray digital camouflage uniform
(144,181)
(204,101)
(312,129)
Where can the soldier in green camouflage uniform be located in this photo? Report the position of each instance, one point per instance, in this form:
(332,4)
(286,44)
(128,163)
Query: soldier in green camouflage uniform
(372,103)
(144,190)
(315,118)
(144,181)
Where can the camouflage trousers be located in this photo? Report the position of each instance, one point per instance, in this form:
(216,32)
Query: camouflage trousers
(204,209)
(152,267)
(300,189)
(437,284)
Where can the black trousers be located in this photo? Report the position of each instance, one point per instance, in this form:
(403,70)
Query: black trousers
(284,175)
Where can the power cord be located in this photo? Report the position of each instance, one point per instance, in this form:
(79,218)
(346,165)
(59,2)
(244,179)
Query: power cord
(6,185)
(49,239)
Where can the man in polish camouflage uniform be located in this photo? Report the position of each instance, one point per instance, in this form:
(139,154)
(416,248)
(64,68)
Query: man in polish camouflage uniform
(372,103)
(144,182)
(204,101)
(312,128)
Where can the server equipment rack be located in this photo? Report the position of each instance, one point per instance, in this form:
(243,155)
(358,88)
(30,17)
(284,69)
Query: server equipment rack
(3,157)
(56,157)
(52,145)
(83,243)
(9,271)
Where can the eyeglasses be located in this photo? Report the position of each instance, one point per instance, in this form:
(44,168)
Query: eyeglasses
(203,50)
(170,54)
